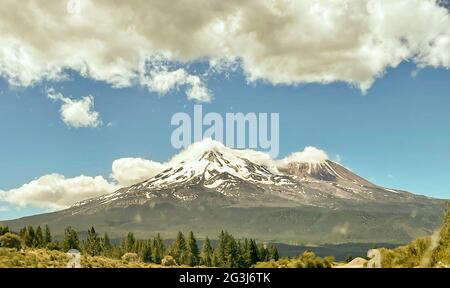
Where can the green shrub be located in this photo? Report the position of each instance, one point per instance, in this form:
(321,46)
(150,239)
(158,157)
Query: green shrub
(407,256)
(10,240)
(57,246)
(168,261)
(442,252)
(130,257)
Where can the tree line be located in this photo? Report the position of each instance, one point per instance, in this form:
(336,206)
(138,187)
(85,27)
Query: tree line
(227,251)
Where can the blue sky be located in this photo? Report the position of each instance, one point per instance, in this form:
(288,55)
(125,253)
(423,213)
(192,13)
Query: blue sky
(84,84)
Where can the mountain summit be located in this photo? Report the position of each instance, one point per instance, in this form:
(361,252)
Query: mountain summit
(246,178)
(303,198)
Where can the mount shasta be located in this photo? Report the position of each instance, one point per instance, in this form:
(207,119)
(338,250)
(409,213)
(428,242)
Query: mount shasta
(304,198)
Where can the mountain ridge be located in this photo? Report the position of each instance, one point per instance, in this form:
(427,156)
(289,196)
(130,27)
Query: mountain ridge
(223,170)
(302,199)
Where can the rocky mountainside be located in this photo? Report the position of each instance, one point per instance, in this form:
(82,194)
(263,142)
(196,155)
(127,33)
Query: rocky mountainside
(209,187)
(216,172)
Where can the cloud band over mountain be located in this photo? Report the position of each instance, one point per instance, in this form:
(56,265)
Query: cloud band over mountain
(55,191)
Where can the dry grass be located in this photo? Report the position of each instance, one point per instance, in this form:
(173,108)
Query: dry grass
(43,258)
(36,258)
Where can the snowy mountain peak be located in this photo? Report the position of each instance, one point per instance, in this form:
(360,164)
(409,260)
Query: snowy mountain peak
(208,164)
(197,150)
(209,171)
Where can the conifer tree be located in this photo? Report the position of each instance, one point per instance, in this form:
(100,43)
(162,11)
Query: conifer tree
(158,249)
(147,249)
(220,251)
(242,252)
(106,244)
(178,249)
(215,259)
(273,253)
(92,245)
(29,238)
(193,252)
(231,252)
(71,240)
(262,253)
(206,255)
(47,235)
(252,252)
(39,237)
(128,244)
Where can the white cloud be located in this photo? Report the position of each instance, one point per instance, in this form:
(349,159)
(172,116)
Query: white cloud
(54,191)
(129,171)
(163,81)
(76,113)
(308,155)
(281,41)
(4,208)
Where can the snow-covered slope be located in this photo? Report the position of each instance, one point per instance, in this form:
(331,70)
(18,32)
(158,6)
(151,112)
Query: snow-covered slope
(209,170)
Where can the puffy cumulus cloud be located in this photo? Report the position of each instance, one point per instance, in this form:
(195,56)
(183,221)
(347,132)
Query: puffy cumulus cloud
(308,155)
(54,191)
(76,113)
(129,171)
(278,41)
(162,81)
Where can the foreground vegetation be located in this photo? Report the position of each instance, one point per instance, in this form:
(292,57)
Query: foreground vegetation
(433,251)
(45,258)
(35,248)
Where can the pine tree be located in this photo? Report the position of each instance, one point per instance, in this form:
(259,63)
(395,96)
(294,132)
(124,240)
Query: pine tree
(232,252)
(39,237)
(158,249)
(242,253)
(273,253)
(215,259)
(128,244)
(92,245)
(29,238)
(220,253)
(252,252)
(193,252)
(206,255)
(178,249)
(262,253)
(147,249)
(106,244)
(71,239)
(47,235)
